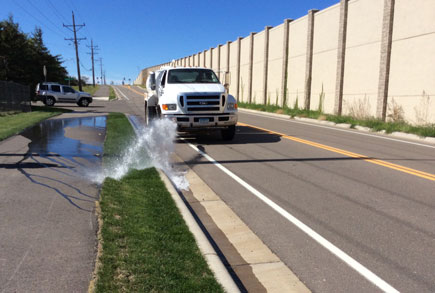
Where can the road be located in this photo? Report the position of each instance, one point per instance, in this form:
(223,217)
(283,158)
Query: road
(352,211)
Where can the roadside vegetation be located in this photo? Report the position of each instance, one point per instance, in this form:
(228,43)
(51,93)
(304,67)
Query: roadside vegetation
(374,124)
(146,246)
(112,94)
(88,88)
(13,123)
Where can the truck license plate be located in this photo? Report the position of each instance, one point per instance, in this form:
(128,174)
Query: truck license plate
(203,120)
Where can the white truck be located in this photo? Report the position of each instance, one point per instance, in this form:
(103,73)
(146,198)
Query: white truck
(193,98)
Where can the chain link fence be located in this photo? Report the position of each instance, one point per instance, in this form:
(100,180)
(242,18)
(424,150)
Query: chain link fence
(14,97)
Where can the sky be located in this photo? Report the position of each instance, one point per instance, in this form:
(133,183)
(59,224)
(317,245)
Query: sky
(133,34)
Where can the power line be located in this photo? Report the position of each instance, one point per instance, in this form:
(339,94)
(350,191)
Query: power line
(43,15)
(57,13)
(38,20)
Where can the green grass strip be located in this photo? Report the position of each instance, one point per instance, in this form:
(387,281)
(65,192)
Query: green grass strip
(112,95)
(147,246)
(374,124)
(13,123)
(88,88)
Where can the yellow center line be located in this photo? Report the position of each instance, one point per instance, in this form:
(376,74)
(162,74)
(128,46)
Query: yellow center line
(137,92)
(400,168)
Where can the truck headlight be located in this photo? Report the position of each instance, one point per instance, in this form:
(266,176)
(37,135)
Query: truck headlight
(232,106)
(170,107)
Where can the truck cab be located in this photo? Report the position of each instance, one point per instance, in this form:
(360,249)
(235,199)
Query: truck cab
(192,97)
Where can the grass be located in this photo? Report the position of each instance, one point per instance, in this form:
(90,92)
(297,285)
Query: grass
(112,95)
(88,88)
(374,124)
(146,246)
(12,123)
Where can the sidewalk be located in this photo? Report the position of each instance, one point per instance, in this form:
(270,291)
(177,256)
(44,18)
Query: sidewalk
(48,226)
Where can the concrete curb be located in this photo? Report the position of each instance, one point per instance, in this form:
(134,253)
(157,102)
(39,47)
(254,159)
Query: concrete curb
(344,125)
(221,273)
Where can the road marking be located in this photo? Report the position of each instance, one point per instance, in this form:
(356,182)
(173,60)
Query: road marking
(121,93)
(366,273)
(400,168)
(338,129)
(135,91)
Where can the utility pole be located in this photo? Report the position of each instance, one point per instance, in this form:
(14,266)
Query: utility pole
(74,30)
(101,70)
(93,48)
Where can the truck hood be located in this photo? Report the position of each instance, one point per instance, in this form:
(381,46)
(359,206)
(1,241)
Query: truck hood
(195,88)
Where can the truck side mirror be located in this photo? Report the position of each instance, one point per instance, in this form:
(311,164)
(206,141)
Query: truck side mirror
(153,81)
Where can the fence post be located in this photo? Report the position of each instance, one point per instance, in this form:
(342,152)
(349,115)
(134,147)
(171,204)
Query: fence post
(384,70)
(309,60)
(341,55)
(285,62)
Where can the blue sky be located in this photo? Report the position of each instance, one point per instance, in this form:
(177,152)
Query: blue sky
(132,35)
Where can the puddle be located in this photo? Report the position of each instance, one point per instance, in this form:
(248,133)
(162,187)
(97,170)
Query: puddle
(70,142)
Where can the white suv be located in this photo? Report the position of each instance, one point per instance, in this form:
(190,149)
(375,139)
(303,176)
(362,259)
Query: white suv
(50,93)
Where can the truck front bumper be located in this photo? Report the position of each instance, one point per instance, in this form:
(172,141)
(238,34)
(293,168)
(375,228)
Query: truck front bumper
(196,121)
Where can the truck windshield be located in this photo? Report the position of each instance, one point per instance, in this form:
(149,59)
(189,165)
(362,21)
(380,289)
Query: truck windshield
(192,76)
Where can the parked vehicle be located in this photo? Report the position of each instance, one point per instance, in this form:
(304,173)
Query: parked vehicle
(50,93)
(192,97)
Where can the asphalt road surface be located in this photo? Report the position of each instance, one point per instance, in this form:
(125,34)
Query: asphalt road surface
(347,211)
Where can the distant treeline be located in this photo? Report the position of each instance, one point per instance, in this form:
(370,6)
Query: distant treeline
(23,56)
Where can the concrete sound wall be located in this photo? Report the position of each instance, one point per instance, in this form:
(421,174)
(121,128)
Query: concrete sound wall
(296,61)
(275,64)
(257,69)
(363,52)
(412,72)
(245,78)
(325,59)
(366,58)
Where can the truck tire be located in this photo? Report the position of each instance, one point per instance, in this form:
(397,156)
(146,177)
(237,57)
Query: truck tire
(150,115)
(83,102)
(49,101)
(228,133)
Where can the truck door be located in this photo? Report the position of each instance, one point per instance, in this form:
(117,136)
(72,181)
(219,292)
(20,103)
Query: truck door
(162,82)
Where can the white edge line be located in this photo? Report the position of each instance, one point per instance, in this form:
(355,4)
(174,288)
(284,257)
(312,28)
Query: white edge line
(121,93)
(366,273)
(338,129)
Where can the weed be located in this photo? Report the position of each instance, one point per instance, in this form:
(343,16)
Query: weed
(396,113)
(359,108)
(422,111)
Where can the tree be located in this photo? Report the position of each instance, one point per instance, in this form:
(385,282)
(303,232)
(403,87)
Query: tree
(22,57)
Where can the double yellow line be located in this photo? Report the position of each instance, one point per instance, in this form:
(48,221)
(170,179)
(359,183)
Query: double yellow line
(400,168)
(133,90)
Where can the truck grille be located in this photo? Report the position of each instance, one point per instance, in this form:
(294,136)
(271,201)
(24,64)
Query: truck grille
(203,103)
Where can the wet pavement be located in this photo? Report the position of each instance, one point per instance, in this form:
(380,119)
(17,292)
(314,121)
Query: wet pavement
(47,199)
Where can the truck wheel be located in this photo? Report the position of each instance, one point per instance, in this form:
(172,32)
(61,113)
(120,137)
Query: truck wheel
(84,102)
(150,115)
(49,101)
(228,133)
